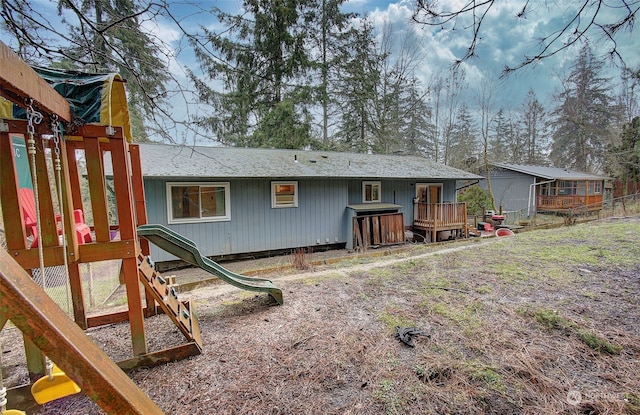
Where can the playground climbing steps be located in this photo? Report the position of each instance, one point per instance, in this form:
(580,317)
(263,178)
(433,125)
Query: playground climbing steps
(165,293)
(185,249)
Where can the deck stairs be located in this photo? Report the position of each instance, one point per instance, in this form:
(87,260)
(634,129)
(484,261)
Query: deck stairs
(165,292)
(473,231)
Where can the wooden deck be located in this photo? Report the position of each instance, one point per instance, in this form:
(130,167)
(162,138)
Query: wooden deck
(567,203)
(436,217)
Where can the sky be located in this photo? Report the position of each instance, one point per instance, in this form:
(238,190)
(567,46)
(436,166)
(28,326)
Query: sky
(505,40)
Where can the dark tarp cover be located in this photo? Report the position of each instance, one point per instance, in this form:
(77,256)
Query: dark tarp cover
(94,98)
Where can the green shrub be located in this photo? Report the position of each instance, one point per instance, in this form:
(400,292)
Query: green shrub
(476,198)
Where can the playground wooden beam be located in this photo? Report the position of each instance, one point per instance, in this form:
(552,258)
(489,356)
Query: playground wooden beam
(17,79)
(41,320)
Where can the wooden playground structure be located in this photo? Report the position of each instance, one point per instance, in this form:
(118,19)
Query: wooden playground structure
(46,329)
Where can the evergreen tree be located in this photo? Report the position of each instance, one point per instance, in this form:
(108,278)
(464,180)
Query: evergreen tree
(435,102)
(533,130)
(624,158)
(486,104)
(505,143)
(399,111)
(386,98)
(417,131)
(359,77)
(500,137)
(258,60)
(463,146)
(623,150)
(330,36)
(516,146)
(453,86)
(583,116)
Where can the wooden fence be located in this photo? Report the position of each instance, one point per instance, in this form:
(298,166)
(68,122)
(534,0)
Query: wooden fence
(376,230)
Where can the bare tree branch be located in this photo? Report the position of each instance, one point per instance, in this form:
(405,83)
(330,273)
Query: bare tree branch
(594,21)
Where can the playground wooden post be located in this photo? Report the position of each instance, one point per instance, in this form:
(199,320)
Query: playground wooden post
(42,321)
(141,213)
(124,202)
(95,176)
(32,311)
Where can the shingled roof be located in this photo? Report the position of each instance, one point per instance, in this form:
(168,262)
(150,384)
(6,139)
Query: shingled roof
(549,172)
(161,160)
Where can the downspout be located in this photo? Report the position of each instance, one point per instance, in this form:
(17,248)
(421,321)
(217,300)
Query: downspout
(531,191)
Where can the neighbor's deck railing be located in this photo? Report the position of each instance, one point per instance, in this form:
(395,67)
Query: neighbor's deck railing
(592,202)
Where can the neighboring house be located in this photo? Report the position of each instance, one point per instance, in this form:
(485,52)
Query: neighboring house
(233,201)
(531,189)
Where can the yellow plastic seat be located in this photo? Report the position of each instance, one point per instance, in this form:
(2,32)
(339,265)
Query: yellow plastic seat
(13,412)
(56,386)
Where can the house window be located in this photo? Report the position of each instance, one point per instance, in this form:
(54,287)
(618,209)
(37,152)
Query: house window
(198,202)
(284,194)
(595,188)
(370,192)
(566,187)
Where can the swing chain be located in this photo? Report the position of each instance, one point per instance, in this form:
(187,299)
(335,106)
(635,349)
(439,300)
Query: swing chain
(3,389)
(3,399)
(33,117)
(56,140)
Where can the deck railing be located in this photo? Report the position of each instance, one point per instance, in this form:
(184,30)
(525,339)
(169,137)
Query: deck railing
(564,202)
(440,215)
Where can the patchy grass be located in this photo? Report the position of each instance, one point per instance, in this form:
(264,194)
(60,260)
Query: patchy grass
(597,342)
(542,322)
(552,320)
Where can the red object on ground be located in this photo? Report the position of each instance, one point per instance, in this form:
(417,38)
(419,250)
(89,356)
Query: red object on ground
(504,232)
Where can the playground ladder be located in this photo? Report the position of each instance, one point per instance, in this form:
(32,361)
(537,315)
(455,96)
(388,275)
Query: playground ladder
(164,291)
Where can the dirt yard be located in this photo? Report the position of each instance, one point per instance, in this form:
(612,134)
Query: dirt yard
(544,322)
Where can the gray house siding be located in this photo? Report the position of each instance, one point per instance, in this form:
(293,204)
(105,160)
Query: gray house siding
(401,192)
(398,192)
(319,219)
(510,189)
(328,182)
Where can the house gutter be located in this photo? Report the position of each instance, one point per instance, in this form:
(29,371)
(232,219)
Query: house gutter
(531,191)
(468,185)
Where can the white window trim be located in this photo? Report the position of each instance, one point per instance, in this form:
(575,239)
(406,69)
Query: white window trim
(227,203)
(364,192)
(273,194)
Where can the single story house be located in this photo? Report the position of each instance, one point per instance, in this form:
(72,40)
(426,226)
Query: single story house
(530,189)
(235,201)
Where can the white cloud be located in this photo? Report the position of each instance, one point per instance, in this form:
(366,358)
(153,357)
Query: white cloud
(505,39)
